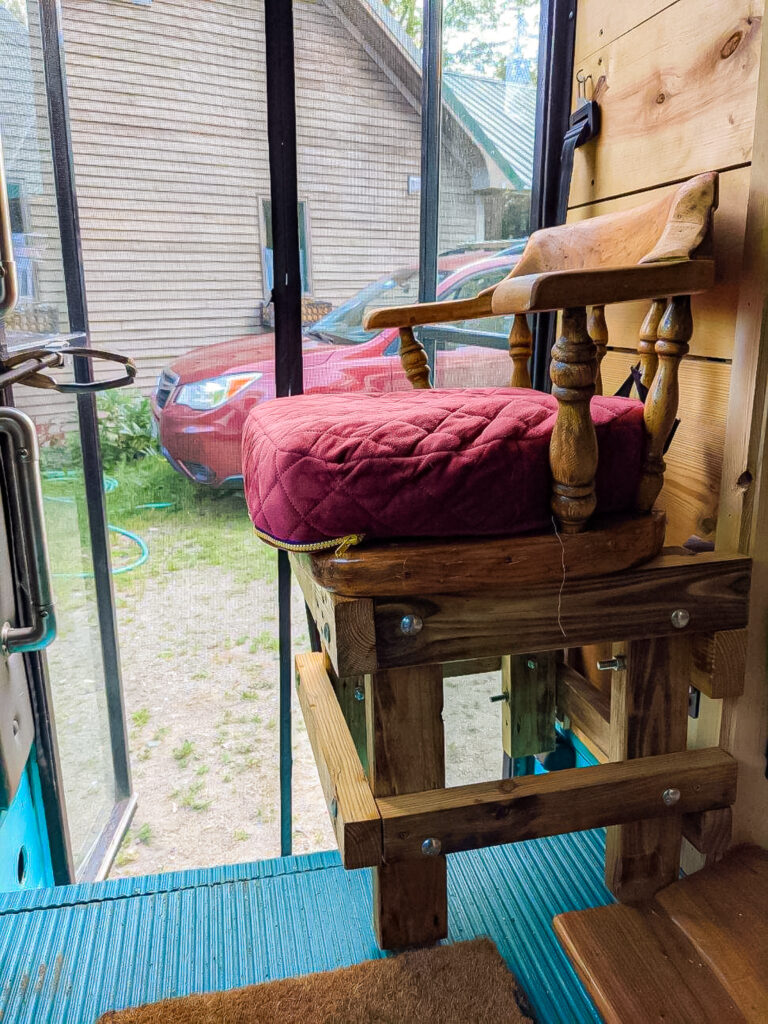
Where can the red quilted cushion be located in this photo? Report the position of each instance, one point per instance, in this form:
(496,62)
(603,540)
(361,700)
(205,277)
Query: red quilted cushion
(463,462)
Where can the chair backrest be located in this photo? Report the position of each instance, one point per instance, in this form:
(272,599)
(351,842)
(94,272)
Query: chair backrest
(675,226)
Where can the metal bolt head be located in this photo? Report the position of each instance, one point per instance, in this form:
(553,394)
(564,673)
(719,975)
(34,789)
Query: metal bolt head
(431,847)
(680,618)
(327,633)
(334,808)
(617,664)
(359,693)
(670,797)
(410,625)
(532,664)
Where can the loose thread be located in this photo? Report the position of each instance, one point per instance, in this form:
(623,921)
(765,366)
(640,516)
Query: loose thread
(562,581)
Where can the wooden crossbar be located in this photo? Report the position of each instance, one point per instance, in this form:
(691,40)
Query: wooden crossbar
(532,806)
(354,815)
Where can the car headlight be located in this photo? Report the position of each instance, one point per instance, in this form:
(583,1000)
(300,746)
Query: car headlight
(211,393)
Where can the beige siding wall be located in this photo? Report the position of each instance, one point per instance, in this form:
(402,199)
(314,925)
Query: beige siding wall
(168,109)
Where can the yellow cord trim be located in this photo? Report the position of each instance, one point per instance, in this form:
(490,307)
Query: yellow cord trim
(342,544)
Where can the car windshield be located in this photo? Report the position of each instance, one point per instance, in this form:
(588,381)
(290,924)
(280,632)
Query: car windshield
(344,325)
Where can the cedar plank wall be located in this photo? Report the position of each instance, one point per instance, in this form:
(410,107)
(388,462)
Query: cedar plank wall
(168,114)
(677,98)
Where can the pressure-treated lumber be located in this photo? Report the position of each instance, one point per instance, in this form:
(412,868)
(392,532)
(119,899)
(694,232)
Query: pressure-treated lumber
(585,707)
(528,682)
(467,566)
(531,806)
(712,588)
(353,811)
(649,716)
(405,754)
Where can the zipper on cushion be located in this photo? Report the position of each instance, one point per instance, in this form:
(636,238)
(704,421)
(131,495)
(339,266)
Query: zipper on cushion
(342,544)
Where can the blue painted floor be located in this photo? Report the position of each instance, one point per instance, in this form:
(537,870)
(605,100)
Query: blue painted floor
(69,954)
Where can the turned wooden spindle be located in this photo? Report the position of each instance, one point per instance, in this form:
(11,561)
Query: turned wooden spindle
(413,359)
(646,346)
(674,333)
(573,447)
(598,332)
(520,349)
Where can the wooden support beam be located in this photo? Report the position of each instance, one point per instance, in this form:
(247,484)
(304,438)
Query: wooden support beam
(719,661)
(345,625)
(353,810)
(350,693)
(709,832)
(588,709)
(528,713)
(532,806)
(471,668)
(649,716)
(712,588)
(406,754)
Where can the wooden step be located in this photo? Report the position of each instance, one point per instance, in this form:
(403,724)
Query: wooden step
(697,953)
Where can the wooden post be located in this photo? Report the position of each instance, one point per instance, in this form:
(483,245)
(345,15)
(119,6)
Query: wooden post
(646,346)
(649,715)
(413,359)
(350,693)
(528,714)
(674,333)
(573,447)
(520,349)
(598,332)
(406,755)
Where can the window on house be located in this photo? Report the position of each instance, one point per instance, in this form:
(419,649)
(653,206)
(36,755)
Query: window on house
(267,248)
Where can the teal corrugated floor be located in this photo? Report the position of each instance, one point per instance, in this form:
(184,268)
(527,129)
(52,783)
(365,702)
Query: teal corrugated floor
(69,954)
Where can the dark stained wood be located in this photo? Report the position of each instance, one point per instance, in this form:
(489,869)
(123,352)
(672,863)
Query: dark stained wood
(713,588)
(353,811)
(531,806)
(467,566)
(587,709)
(649,716)
(573,446)
(709,832)
(345,626)
(528,713)
(719,663)
(469,668)
(639,968)
(406,754)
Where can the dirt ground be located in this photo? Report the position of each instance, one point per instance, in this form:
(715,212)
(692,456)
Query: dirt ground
(200,669)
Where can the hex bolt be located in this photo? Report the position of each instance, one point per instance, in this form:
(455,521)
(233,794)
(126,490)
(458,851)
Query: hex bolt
(410,625)
(532,664)
(670,797)
(359,693)
(617,664)
(327,633)
(680,618)
(499,696)
(431,847)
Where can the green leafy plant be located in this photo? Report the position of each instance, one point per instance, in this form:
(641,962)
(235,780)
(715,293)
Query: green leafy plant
(125,427)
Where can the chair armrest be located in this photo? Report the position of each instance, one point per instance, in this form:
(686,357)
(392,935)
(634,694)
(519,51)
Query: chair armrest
(567,289)
(429,313)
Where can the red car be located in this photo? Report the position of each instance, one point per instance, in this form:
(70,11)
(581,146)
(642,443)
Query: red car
(201,400)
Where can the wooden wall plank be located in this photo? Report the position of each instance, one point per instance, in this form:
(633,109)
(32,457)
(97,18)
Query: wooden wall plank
(599,22)
(677,97)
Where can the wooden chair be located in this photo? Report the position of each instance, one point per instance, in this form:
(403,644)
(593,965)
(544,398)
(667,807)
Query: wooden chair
(394,617)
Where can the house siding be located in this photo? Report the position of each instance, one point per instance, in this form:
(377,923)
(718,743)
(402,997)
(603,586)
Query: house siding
(168,113)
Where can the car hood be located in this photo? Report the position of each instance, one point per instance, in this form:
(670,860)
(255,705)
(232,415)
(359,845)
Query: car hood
(251,352)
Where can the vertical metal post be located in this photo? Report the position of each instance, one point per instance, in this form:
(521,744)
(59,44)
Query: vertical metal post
(286,295)
(557,29)
(431,125)
(69,228)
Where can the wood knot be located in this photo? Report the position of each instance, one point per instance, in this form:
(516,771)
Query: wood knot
(661,97)
(731,45)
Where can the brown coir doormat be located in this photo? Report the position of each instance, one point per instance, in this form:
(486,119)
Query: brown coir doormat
(467,983)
